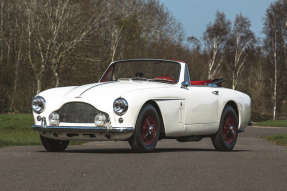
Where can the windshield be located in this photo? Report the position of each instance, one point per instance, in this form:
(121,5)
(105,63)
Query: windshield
(145,70)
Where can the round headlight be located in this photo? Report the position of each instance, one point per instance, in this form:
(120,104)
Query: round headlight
(38,104)
(120,106)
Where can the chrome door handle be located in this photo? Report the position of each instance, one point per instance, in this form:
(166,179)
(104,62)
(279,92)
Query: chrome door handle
(215,92)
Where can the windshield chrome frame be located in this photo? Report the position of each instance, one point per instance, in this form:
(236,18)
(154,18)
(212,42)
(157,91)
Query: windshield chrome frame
(182,67)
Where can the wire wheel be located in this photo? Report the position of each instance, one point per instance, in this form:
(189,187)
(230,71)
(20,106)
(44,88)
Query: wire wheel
(226,136)
(230,129)
(147,130)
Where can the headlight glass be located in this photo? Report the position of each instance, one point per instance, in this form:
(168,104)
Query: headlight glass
(120,106)
(38,104)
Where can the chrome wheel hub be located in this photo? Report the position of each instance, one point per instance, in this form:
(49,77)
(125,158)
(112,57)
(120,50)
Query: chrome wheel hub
(150,130)
(231,129)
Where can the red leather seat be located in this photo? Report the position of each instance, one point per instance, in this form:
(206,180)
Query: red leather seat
(202,83)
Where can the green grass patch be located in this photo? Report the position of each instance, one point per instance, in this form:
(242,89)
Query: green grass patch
(278,139)
(16,130)
(271,123)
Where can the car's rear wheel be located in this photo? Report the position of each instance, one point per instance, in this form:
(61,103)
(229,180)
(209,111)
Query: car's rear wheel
(226,136)
(147,130)
(53,145)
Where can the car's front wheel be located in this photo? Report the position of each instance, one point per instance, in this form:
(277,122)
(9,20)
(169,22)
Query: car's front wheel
(226,136)
(147,130)
(53,145)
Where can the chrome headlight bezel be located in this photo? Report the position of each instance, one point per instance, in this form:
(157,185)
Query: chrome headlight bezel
(38,104)
(120,106)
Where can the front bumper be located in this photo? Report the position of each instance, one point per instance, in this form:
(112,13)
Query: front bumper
(85,133)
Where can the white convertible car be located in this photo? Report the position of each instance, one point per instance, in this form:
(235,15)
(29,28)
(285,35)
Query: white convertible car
(142,101)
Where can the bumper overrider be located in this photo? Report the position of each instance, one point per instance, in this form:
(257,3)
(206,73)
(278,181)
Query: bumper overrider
(84,132)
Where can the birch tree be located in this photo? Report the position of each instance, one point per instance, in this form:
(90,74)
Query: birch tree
(241,39)
(58,28)
(215,38)
(275,46)
(17,37)
(33,44)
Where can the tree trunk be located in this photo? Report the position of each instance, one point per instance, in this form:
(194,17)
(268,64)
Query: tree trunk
(57,79)
(209,75)
(12,104)
(275,78)
(39,84)
(1,30)
(233,81)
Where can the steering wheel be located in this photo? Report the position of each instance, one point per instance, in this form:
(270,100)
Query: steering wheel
(139,74)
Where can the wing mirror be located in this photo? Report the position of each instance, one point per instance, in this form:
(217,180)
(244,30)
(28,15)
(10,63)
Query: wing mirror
(184,84)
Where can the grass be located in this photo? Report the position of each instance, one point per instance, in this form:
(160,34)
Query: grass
(278,139)
(271,123)
(16,130)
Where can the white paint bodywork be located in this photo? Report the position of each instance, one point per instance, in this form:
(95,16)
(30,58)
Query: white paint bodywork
(194,110)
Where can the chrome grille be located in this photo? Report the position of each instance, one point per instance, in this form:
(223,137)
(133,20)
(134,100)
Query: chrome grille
(78,112)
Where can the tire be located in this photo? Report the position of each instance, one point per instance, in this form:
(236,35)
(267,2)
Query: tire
(147,130)
(53,145)
(226,136)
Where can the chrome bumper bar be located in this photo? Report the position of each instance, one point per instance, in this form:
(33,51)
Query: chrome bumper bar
(81,132)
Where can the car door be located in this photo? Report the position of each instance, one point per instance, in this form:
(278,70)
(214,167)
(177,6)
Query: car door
(201,113)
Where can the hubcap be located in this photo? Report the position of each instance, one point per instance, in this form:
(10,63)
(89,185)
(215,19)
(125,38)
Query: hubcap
(230,129)
(150,130)
(149,127)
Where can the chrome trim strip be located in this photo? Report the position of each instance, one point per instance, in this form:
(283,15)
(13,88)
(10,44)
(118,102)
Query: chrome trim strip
(96,85)
(113,133)
(168,99)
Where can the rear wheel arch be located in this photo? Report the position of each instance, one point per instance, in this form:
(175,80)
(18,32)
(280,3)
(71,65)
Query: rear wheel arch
(234,106)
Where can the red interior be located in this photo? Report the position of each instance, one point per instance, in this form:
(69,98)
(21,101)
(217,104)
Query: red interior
(204,82)
(107,74)
(165,78)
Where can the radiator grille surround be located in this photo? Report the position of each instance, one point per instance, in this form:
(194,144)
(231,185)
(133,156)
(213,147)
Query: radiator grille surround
(79,112)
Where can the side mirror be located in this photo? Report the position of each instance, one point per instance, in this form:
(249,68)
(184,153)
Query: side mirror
(184,84)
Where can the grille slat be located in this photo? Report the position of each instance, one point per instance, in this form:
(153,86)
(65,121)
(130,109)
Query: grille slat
(78,112)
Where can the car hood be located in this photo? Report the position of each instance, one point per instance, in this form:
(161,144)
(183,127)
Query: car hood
(112,89)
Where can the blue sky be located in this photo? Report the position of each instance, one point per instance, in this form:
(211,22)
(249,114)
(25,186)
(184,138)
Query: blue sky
(196,14)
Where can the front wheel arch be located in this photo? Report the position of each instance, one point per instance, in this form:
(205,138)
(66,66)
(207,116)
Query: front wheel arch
(155,105)
(147,130)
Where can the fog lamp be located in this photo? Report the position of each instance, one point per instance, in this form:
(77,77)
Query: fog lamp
(100,120)
(54,119)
